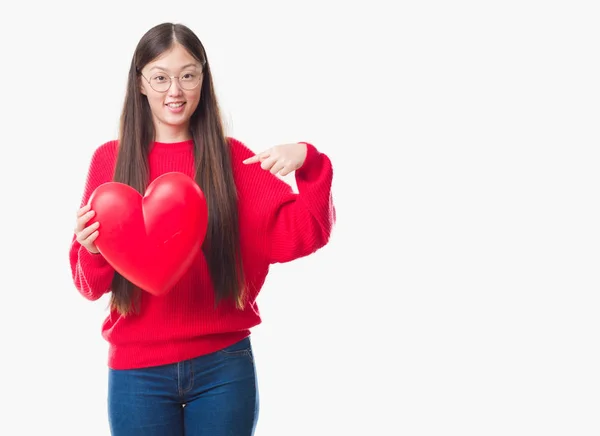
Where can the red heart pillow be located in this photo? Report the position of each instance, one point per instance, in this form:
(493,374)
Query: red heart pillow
(151,240)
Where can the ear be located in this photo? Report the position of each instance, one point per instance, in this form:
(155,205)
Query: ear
(141,86)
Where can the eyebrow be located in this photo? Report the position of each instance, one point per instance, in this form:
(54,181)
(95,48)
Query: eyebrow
(158,67)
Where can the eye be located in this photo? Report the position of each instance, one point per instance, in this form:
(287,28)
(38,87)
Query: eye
(188,76)
(159,78)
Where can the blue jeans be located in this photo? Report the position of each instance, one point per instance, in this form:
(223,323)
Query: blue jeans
(214,395)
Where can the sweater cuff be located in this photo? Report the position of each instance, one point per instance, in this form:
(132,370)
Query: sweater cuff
(310,167)
(94,260)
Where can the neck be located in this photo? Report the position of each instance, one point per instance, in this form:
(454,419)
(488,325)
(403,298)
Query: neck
(167,134)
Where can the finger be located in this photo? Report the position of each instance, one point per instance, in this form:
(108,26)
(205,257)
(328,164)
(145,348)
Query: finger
(83,210)
(268,163)
(286,171)
(86,216)
(92,238)
(82,220)
(278,166)
(257,157)
(86,232)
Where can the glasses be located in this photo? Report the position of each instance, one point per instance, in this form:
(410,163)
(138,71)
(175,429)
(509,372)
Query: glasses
(161,82)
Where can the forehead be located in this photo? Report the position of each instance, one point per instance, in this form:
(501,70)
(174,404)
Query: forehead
(173,59)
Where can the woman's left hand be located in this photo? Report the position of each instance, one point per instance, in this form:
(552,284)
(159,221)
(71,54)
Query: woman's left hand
(282,159)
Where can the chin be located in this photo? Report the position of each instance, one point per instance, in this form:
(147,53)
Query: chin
(176,120)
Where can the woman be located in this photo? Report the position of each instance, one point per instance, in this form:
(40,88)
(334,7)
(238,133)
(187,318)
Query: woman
(182,363)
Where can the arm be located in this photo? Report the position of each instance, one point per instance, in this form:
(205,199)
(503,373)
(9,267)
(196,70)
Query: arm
(300,224)
(91,273)
(295,224)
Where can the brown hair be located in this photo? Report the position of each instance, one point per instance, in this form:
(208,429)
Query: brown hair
(212,165)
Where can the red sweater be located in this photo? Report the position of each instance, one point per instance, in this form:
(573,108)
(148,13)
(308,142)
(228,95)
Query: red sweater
(276,225)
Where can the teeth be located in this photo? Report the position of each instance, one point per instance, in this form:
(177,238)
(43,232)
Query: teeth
(174,105)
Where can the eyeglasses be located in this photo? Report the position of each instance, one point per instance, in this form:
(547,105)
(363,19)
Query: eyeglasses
(161,82)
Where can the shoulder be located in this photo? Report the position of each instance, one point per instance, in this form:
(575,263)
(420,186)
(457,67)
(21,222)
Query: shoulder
(248,174)
(103,159)
(106,150)
(239,150)
(252,180)
(101,167)
(105,153)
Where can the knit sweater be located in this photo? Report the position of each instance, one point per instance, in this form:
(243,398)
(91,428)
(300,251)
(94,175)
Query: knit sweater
(276,225)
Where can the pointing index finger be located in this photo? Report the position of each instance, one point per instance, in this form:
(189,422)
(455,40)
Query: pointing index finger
(256,158)
(252,159)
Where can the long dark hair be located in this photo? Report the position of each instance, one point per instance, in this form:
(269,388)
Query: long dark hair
(212,165)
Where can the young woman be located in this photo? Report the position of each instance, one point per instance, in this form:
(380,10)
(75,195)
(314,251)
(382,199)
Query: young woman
(182,363)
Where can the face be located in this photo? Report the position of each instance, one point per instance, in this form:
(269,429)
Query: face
(172,104)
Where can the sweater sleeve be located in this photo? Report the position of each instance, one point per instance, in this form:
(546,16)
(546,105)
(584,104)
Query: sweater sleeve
(91,273)
(295,225)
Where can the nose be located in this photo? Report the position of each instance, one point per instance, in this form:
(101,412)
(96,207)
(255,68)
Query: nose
(175,88)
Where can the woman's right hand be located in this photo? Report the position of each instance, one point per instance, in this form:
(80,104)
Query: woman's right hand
(86,235)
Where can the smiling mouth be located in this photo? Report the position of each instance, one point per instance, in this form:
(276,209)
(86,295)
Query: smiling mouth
(174,105)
